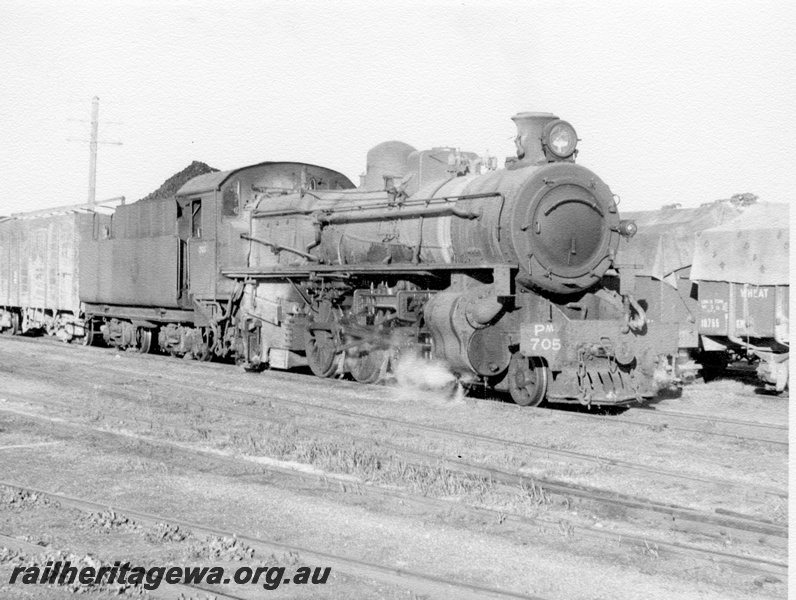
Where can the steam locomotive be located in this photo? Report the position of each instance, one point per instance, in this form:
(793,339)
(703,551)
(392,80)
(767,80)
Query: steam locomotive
(508,276)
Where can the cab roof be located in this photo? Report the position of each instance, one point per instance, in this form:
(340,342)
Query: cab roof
(213,181)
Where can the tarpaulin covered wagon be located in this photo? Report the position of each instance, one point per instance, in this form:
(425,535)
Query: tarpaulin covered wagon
(661,254)
(743,271)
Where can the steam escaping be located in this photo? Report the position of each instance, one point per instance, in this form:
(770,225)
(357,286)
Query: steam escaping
(424,379)
(665,378)
(425,374)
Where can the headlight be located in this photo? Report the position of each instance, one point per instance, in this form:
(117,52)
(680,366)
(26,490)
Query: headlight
(627,228)
(559,138)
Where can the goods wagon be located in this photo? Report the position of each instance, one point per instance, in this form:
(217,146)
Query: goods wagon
(661,254)
(40,268)
(721,274)
(743,271)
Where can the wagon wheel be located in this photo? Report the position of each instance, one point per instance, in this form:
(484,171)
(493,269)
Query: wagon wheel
(321,354)
(143,340)
(15,329)
(51,326)
(367,359)
(528,378)
(10,329)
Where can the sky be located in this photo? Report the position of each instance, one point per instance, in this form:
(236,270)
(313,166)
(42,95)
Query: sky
(674,102)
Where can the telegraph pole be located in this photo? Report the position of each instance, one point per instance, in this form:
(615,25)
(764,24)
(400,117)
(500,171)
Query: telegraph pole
(92,171)
(93,143)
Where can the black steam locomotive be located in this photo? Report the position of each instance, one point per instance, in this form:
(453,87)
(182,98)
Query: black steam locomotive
(506,276)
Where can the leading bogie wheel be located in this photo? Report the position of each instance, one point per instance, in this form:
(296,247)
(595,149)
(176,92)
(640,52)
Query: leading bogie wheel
(528,379)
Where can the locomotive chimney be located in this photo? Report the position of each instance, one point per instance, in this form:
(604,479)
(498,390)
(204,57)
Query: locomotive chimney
(530,126)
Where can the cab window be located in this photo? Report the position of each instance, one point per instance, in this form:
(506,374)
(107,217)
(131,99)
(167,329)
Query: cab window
(230,202)
(196,218)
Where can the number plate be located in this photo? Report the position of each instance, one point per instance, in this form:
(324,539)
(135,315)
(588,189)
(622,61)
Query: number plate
(540,339)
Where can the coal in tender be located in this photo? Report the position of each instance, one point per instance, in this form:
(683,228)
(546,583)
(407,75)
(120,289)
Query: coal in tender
(176,181)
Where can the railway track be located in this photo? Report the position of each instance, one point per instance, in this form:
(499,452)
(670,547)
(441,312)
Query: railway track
(241,467)
(765,433)
(775,434)
(501,442)
(420,583)
(567,492)
(223,396)
(677,518)
(668,413)
(223,399)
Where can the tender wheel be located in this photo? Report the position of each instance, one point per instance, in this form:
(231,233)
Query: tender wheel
(143,340)
(320,353)
(528,379)
(203,350)
(90,339)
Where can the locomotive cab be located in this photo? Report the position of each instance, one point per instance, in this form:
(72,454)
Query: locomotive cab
(158,274)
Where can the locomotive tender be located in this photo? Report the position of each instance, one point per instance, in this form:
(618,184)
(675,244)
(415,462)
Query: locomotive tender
(508,276)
